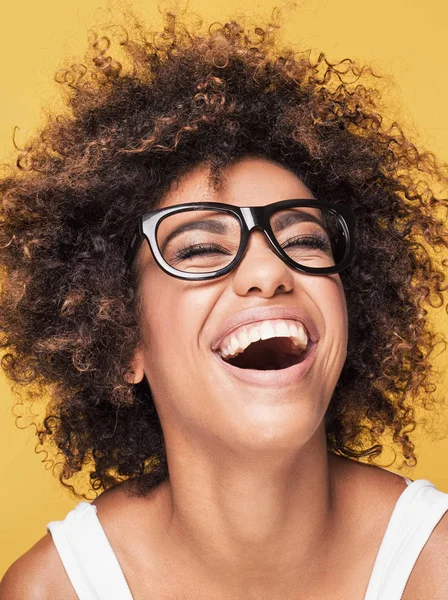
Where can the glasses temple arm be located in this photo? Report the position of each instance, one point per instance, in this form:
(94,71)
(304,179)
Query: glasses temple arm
(134,246)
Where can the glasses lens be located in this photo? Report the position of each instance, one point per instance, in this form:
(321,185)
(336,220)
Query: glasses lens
(203,241)
(199,241)
(310,236)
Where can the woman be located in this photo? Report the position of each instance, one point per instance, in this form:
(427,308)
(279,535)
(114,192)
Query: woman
(212,262)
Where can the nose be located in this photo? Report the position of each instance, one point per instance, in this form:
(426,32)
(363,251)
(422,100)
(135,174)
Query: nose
(261,271)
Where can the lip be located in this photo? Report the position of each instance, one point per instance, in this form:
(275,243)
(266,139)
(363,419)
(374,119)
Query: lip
(256,315)
(273,378)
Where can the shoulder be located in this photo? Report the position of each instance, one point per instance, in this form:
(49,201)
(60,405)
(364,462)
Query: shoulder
(37,575)
(369,491)
(378,489)
(429,577)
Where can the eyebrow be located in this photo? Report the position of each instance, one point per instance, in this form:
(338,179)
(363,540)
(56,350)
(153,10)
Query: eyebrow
(211,225)
(282,221)
(290,217)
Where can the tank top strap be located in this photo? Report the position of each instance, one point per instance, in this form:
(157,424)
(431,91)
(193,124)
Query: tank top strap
(417,511)
(87,555)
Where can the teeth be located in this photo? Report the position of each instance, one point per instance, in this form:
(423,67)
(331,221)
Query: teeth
(282,329)
(244,338)
(234,343)
(254,334)
(239,340)
(298,334)
(267,331)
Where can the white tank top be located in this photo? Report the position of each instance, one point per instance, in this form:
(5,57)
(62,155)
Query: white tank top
(96,574)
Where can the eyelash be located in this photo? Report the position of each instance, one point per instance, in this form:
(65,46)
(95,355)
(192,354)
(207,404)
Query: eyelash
(315,241)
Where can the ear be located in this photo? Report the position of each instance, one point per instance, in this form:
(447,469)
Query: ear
(135,372)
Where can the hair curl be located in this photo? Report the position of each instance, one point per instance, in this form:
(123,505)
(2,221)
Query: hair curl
(69,306)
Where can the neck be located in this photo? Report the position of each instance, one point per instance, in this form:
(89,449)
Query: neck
(262,524)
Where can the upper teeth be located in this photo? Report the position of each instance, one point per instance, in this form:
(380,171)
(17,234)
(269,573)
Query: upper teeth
(239,340)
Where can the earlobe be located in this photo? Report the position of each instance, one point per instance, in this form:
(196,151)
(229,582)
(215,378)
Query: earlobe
(132,377)
(136,375)
(135,371)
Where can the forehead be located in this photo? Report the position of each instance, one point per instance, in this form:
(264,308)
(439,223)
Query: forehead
(249,182)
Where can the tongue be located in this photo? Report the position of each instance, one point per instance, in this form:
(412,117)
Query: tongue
(274,353)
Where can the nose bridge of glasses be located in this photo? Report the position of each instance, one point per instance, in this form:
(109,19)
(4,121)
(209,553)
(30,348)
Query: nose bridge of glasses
(255,217)
(251,217)
(255,220)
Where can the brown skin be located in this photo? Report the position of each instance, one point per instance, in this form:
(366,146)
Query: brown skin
(255,506)
(157,565)
(68,307)
(364,498)
(100,168)
(135,526)
(246,463)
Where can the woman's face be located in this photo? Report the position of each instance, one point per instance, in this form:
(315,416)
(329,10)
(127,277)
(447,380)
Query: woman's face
(193,391)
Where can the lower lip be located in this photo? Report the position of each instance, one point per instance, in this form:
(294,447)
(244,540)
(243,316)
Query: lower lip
(281,377)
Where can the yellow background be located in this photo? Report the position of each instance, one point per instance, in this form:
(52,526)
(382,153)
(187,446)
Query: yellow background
(404,40)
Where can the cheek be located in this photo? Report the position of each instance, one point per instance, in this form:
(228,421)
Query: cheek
(336,325)
(332,304)
(340,303)
(330,298)
(161,311)
(173,314)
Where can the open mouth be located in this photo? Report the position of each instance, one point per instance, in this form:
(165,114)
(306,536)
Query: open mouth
(275,353)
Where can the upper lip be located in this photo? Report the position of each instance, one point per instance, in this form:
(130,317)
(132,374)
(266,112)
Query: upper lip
(255,315)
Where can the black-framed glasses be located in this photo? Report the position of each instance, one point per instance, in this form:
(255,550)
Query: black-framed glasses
(204,240)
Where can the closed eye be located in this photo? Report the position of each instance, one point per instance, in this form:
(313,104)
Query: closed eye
(313,241)
(199,249)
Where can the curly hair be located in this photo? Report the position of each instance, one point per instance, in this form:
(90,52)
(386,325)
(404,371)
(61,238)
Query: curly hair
(70,306)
